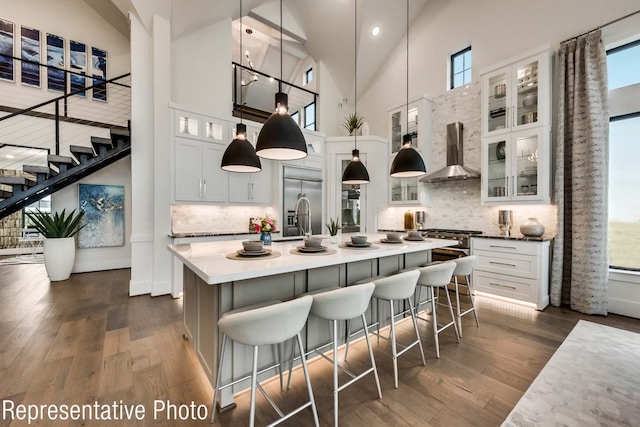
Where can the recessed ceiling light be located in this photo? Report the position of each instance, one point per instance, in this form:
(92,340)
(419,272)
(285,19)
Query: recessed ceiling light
(10,156)
(248,31)
(375,31)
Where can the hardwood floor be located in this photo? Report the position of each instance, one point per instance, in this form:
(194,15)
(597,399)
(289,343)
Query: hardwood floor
(85,340)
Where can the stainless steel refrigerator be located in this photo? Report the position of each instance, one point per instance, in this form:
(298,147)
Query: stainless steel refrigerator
(302,183)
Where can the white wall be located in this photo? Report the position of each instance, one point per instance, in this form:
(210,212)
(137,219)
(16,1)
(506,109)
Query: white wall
(201,73)
(71,20)
(496,29)
(330,115)
(96,259)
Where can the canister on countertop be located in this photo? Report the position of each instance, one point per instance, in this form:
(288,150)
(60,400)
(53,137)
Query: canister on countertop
(409,223)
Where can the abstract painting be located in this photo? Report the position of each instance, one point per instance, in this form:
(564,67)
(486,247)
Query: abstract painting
(78,64)
(104,216)
(99,72)
(55,58)
(30,49)
(6,48)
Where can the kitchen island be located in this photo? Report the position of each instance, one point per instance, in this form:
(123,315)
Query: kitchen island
(215,284)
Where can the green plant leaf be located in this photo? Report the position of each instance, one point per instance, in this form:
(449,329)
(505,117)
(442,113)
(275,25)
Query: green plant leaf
(57,225)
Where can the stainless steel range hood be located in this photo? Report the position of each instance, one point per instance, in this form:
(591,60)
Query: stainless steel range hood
(455,170)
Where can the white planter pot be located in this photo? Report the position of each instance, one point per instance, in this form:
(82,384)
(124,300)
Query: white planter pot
(59,255)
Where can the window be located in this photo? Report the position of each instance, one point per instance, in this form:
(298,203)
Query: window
(460,68)
(310,116)
(296,117)
(623,65)
(308,76)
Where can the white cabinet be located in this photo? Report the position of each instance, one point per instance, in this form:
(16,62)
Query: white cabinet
(513,269)
(518,95)
(404,191)
(197,173)
(413,120)
(516,130)
(251,188)
(516,167)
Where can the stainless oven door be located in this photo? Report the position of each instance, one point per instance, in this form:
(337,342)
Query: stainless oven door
(448,254)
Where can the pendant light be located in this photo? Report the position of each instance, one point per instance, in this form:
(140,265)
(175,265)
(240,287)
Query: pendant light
(408,162)
(240,156)
(280,137)
(355,172)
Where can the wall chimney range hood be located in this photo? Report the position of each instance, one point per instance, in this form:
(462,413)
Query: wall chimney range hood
(455,170)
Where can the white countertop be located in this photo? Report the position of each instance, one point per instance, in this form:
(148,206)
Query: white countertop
(208,259)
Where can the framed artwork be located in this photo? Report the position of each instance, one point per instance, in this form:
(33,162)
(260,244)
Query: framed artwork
(55,58)
(78,64)
(30,54)
(104,215)
(99,72)
(6,48)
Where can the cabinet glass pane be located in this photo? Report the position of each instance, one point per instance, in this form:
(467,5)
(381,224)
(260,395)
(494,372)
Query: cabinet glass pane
(411,188)
(527,165)
(497,110)
(497,170)
(413,127)
(214,131)
(350,205)
(396,189)
(188,125)
(527,94)
(396,131)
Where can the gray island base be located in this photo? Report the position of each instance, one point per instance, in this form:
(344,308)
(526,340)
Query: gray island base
(214,284)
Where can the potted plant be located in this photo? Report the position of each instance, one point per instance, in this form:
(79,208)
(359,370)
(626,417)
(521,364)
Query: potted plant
(353,122)
(59,230)
(334,227)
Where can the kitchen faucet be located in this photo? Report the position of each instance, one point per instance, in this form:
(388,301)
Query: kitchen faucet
(301,199)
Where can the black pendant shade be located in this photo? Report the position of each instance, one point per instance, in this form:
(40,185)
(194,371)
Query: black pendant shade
(355,172)
(408,162)
(240,155)
(281,137)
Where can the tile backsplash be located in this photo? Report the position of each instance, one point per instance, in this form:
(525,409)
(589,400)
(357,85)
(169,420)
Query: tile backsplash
(206,218)
(456,204)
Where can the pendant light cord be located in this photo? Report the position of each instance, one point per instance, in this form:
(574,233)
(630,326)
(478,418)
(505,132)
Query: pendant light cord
(355,68)
(280,83)
(241,97)
(407,66)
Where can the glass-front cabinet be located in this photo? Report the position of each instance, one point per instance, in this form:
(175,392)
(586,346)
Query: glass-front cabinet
(516,96)
(351,204)
(516,129)
(413,120)
(516,168)
(404,190)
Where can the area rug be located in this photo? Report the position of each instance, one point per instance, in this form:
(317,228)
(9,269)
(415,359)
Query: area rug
(23,259)
(593,379)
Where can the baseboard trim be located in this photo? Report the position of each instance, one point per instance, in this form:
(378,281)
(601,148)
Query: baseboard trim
(161,288)
(109,264)
(624,308)
(139,288)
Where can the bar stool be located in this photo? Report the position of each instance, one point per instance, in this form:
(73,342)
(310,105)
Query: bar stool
(271,324)
(435,277)
(361,282)
(345,304)
(464,267)
(399,286)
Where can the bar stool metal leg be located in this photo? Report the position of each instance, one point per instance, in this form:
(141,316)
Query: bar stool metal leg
(303,359)
(393,346)
(415,327)
(453,316)
(373,361)
(254,378)
(472,295)
(217,387)
(434,304)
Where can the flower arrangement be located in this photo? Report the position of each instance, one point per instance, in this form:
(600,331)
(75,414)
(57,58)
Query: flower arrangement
(264,224)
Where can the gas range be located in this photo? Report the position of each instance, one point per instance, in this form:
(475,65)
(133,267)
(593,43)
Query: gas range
(461,235)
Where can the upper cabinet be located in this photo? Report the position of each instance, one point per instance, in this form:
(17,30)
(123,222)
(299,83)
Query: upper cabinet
(516,130)
(251,188)
(517,96)
(413,120)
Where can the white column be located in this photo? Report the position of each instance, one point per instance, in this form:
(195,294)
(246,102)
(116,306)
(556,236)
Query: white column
(142,174)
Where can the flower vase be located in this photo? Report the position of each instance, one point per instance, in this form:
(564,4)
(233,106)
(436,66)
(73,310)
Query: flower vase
(532,228)
(266,238)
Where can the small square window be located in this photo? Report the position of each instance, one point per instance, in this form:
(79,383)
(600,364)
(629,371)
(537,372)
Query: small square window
(460,68)
(308,76)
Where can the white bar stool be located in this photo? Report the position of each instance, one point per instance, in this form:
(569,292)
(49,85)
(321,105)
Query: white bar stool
(272,324)
(464,267)
(436,277)
(345,304)
(399,286)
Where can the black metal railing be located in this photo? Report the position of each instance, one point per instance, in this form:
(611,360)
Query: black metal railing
(73,107)
(258,94)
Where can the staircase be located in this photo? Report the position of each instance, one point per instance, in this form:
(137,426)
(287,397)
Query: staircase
(62,171)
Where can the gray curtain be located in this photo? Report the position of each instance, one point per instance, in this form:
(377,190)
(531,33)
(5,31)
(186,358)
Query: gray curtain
(580,266)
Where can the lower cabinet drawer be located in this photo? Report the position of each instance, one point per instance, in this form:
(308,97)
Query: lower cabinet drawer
(511,264)
(506,286)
